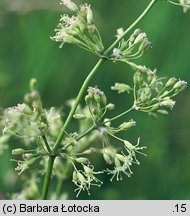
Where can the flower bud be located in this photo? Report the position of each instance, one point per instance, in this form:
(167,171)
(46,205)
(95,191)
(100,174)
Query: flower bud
(89,15)
(87,170)
(140,38)
(89,151)
(117,162)
(79,116)
(107,158)
(82,160)
(171,82)
(127,125)
(104,99)
(120,157)
(137,32)
(81,178)
(121,87)
(107,122)
(165,93)
(180,85)
(163,112)
(75,178)
(110,106)
(70,5)
(18,151)
(70,39)
(128,145)
(145,46)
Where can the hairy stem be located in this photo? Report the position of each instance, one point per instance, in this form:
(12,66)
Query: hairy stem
(81,94)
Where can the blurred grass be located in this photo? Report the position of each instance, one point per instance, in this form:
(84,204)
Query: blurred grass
(26,51)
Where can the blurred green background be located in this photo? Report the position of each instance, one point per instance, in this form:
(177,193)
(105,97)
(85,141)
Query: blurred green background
(26,51)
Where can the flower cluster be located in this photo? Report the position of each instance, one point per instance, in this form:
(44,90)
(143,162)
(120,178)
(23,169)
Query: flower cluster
(84,178)
(79,29)
(137,44)
(121,160)
(152,94)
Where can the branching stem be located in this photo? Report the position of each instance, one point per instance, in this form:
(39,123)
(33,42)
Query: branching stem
(81,94)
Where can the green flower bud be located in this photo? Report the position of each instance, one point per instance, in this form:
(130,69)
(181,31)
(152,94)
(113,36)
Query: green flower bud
(75,178)
(180,86)
(79,116)
(81,178)
(171,82)
(89,15)
(145,46)
(110,106)
(87,170)
(90,151)
(165,93)
(104,99)
(117,162)
(82,160)
(120,157)
(70,39)
(137,32)
(127,125)
(107,122)
(18,151)
(121,87)
(140,38)
(107,158)
(163,112)
(70,5)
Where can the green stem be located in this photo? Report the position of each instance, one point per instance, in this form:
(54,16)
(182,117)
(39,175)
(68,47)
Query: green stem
(86,133)
(120,115)
(48,177)
(80,95)
(46,144)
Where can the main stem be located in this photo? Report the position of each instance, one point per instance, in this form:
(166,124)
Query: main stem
(81,94)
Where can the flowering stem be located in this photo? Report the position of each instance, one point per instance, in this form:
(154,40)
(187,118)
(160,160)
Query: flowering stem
(77,101)
(48,177)
(80,95)
(46,144)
